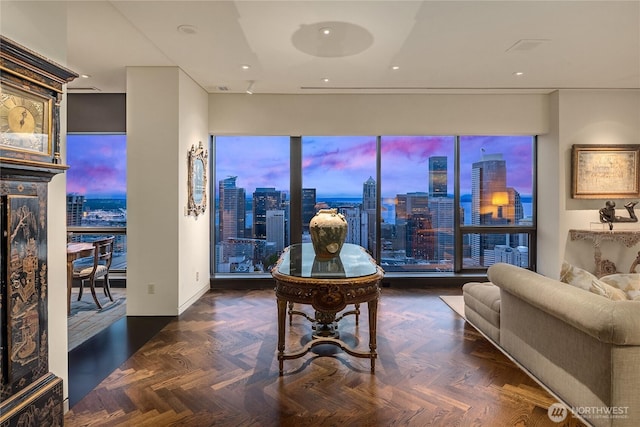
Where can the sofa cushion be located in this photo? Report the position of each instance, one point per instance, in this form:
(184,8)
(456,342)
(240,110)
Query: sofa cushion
(576,276)
(628,282)
(599,287)
(482,307)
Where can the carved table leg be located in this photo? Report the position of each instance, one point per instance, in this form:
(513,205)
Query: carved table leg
(282,314)
(373,325)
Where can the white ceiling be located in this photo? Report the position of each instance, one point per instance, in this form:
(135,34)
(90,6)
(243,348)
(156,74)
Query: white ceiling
(440,46)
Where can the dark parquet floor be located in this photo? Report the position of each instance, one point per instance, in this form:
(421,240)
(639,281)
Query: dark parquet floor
(216,365)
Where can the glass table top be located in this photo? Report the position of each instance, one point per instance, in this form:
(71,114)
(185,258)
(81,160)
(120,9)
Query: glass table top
(300,261)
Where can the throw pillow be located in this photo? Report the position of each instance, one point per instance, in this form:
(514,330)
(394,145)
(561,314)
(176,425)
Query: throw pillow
(576,276)
(625,281)
(634,295)
(599,287)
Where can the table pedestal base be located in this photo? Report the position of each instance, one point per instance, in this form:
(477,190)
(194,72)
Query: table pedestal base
(325,331)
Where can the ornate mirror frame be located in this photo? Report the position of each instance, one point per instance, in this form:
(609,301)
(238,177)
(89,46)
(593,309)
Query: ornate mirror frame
(197,180)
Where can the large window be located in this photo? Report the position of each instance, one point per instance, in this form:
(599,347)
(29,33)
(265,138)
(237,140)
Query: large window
(419,204)
(417,176)
(97,190)
(496,199)
(251,216)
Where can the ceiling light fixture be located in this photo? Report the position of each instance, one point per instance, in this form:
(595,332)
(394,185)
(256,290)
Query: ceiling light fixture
(395,67)
(326,80)
(325,31)
(250,87)
(245,66)
(518,73)
(85,76)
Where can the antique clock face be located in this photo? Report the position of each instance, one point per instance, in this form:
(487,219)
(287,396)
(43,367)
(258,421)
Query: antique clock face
(23,120)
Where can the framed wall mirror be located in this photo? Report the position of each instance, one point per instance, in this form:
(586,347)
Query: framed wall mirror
(197,180)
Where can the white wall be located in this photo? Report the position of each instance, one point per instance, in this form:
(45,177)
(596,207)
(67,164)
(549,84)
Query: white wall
(593,117)
(257,114)
(25,23)
(166,115)
(193,238)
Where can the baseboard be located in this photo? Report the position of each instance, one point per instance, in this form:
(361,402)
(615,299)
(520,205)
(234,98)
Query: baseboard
(203,290)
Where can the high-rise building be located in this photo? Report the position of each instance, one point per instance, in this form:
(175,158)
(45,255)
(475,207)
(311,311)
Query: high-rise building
(441,209)
(438,176)
(231,209)
(308,207)
(75,205)
(264,199)
(369,198)
(353,217)
(492,203)
(275,221)
(414,232)
(369,202)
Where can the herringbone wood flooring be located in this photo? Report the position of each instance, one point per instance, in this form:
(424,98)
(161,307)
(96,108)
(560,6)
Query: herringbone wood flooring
(217,365)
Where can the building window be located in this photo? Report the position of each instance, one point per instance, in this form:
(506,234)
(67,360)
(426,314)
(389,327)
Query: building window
(419,204)
(97,190)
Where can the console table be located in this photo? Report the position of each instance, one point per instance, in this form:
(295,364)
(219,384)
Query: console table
(628,238)
(328,286)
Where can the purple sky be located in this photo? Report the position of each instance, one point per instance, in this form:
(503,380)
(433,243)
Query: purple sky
(338,166)
(335,166)
(97,165)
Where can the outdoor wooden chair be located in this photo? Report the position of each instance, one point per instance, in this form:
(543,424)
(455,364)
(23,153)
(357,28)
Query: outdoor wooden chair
(99,269)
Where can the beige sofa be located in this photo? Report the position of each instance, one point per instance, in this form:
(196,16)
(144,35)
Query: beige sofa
(584,347)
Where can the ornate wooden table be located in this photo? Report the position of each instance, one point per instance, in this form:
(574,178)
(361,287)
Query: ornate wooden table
(328,286)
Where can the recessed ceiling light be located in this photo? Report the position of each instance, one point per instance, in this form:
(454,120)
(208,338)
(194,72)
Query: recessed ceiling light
(245,66)
(187,29)
(85,76)
(326,80)
(518,73)
(395,67)
(325,31)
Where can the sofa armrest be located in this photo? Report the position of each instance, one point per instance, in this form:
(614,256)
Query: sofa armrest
(615,322)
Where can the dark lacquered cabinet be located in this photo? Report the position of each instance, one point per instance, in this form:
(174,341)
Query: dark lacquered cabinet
(30,94)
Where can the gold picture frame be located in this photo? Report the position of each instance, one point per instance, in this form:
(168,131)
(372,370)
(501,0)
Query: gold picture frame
(605,171)
(25,121)
(197,180)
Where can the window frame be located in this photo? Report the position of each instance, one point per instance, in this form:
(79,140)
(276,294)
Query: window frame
(460,230)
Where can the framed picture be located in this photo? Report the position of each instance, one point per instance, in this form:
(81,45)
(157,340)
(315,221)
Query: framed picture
(197,180)
(605,171)
(25,121)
